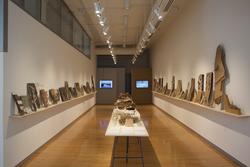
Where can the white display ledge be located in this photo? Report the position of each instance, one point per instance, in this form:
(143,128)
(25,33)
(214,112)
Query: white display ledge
(64,104)
(169,99)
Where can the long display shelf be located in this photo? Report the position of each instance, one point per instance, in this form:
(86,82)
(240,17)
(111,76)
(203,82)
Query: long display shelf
(64,104)
(169,99)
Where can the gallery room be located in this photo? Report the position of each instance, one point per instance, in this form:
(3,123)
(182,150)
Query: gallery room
(124,83)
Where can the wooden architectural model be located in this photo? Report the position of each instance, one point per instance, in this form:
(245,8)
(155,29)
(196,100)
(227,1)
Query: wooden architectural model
(200,89)
(219,74)
(19,104)
(210,96)
(191,90)
(32,93)
(44,98)
(178,91)
(230,107)
(54,96)
(66,85)
(209,89)
(172,91)
(34,101)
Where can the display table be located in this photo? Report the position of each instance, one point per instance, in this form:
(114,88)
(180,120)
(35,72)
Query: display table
(115,129)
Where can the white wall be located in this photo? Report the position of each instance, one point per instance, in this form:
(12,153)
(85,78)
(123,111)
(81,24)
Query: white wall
(35,54)
(187,48)
(1,109)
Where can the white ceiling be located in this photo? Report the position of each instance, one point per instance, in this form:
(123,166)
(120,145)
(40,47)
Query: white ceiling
(115,12)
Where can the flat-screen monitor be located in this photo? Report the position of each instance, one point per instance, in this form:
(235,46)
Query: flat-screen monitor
(106,84)
(142,84)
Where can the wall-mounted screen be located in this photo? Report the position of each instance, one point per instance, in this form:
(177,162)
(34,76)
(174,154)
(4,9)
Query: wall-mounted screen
(106,84)
(142,84)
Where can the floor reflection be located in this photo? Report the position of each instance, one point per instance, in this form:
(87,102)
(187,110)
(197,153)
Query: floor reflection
(84,144)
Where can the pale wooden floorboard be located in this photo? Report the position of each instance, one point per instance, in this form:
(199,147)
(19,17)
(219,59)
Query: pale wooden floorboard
(83,144)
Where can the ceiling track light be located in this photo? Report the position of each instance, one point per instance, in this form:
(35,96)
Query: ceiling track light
(157,13)
(156,16)
(105,30)
(168,5)
(102,20)
(108,40)
(98,9)
(110,45)
(149,33)
(126,4)
(151,27)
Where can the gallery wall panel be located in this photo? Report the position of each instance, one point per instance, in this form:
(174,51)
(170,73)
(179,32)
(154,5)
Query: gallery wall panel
(186,48)
(109,95)
(37,55)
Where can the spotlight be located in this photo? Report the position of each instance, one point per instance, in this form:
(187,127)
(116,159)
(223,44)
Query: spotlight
(98,9)
(149,33)
(157,13)
(102,21)
(105,30)
(108,40)
(110,45)
(126,4)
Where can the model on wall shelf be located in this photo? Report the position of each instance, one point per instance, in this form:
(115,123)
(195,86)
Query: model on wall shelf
(34,102)
(32,93)
(200,89)
(19,104)
(44,98)
(208,98)
(66,85)
(54,96)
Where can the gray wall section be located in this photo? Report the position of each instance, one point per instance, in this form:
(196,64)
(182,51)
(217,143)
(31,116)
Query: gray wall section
(117,75)
(143,61)
(1,25)
(124,62)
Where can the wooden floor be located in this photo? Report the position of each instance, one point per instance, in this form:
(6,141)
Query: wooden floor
(170,144)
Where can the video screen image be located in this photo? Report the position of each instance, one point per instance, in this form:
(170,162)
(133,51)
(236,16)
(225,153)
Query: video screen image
(106,84)
(142,84)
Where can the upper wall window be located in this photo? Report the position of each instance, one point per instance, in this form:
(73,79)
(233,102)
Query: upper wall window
(86,44)
(67,24)
(52,15)
(56,16)
(31,6)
